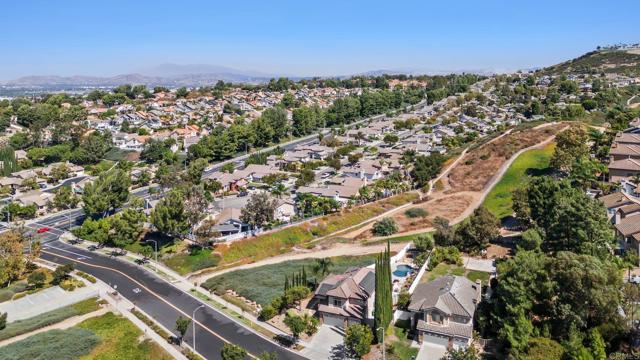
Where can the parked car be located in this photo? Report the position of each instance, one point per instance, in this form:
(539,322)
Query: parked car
(92,248)
(142,261)
(635,279)
(118,252)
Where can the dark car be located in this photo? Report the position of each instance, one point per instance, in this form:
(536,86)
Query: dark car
(75,241)
(118,252)
(92,248)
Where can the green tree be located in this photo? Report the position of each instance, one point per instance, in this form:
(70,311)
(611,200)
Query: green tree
(65,198)
(182,324)
(541,348)
(61,273)
(476,233)
(571,145)
(182,92)
(232,352)
(169,215)
(196,169)
(259,211)
(296,324)
(107,193)
(127,226)
(385,227)
(383,302)
(322,266)
(426,168)
(358,339)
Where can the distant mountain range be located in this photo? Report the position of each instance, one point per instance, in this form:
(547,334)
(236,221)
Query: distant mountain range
(176,75)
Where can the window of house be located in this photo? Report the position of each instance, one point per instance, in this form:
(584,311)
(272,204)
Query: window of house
(337,302)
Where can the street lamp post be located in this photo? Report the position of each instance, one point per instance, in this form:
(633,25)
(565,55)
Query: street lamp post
(378,329)
(155,266)
(193,320)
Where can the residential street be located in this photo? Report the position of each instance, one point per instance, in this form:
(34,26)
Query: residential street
(164,302)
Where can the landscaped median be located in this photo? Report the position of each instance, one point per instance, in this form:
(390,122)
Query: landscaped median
(282,241)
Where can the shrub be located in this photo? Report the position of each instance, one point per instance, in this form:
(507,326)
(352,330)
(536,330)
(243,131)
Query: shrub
(385,227)
(358,339)
(150,323)
(295,294)
(416,212)
(37,279)
(403,300)
(87,277)
(267,313)
(448,254)
(68,344)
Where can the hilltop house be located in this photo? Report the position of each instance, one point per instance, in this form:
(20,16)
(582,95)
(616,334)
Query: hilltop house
(442,311)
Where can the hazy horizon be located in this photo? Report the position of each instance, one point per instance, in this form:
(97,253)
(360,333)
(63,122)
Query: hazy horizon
(294,38)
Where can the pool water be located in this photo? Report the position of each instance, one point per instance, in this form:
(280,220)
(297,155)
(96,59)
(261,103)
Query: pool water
(402,270)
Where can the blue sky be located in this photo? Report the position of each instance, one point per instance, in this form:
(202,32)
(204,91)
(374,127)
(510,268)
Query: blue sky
(304,37)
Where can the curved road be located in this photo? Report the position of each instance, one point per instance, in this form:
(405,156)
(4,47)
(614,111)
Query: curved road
(165,303)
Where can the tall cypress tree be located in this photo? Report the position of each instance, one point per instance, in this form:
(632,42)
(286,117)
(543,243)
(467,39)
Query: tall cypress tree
(383,301)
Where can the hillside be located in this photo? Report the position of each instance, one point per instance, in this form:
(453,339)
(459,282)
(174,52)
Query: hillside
(607,61)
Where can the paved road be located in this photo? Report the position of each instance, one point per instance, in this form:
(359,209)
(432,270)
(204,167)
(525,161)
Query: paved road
(164,302)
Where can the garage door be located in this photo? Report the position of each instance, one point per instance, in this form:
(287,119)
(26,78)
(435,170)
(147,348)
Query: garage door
(436,339)
(333,321)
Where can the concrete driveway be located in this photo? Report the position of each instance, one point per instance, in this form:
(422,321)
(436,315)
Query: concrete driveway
(431,352)
(325,344)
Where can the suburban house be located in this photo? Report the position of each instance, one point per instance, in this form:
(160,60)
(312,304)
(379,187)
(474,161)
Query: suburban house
(613,202)
(285,210)
(228,223)
(442,311)
(345,299)
(38,198)
(620,170)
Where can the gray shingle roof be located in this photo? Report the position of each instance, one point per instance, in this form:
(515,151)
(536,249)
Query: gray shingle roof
(453,295)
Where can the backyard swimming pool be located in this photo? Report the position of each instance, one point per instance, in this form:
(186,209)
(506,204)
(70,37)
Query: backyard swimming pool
(402,270)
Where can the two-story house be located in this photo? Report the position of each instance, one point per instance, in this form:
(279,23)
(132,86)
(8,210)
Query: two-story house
(346,299)
(442,311)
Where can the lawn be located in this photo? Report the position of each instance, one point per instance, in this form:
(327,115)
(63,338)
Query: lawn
(279,242)
(530,163)
(264,283)
(120,339)
(187,262)
(443,269)
(49,318)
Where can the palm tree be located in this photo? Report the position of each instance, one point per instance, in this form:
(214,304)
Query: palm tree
(278,190)
(322,266)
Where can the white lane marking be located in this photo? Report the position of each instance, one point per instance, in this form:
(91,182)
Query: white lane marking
(81,256)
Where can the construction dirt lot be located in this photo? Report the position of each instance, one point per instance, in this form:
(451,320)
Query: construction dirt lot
(465,186)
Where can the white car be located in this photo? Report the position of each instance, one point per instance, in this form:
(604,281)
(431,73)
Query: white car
(635,279)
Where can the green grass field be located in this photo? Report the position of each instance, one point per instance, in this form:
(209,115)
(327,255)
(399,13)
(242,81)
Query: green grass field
(195,260)
(530,163)
(264,283)
(119,339)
